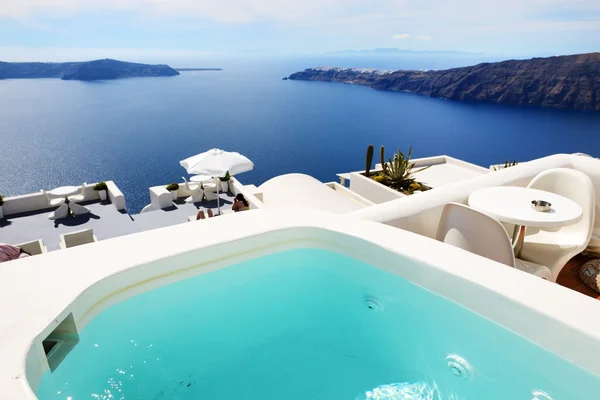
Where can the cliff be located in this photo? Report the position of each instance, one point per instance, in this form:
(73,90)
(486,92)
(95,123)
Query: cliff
(84,71)
(568,82)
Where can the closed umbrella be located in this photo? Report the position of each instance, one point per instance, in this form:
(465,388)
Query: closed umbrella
(216,163)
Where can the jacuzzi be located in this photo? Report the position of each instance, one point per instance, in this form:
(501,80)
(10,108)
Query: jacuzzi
(265,305)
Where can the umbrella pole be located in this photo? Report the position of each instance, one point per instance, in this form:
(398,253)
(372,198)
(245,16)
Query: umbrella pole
(218,203)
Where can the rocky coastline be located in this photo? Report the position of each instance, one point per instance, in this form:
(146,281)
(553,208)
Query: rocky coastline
(565,82)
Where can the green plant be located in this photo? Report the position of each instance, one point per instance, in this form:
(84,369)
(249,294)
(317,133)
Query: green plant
(1,200)
(382,158)
(370,151)
(507,164)
(100,186)
(399,170)
(379,178)
(225,178)
(172,187)
(414,186)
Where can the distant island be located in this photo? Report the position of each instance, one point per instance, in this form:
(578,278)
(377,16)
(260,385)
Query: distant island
(567,82)
(83,71)
(198,69)
(395,51)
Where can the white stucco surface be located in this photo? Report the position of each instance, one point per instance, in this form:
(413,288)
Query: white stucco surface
(438,175)
(421,214)
(38,201)
(294,191)
(37,293)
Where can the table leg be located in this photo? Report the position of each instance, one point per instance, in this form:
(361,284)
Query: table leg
(515,235)
(69,212)
(518,245)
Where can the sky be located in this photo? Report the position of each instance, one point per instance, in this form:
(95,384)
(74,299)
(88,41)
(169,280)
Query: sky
(60,30)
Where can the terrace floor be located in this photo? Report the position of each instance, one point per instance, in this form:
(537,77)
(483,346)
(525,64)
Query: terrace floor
(107,223)
(104,219)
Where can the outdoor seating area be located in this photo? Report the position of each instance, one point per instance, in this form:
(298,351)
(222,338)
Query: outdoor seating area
(548,210)
(479,233)
(536,217)
(33,232)
(552,217)
(66,198)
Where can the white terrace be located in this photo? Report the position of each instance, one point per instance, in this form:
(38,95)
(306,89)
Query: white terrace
(452,180)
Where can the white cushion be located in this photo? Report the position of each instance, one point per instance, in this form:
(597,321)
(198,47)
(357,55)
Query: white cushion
(534,269)
(550,238)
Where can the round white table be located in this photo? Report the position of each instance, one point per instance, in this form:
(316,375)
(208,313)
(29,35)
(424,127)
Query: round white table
(513,205)
(64,191)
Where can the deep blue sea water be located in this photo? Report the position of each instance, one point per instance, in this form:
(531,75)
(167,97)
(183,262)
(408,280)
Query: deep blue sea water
(135,131)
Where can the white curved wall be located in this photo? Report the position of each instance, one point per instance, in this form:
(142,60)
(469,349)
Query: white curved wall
(421,213)
(294,191)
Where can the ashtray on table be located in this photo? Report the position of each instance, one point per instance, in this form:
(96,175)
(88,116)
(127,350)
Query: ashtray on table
(541,205)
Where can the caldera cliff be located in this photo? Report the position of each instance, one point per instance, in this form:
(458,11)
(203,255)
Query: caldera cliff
(568,82)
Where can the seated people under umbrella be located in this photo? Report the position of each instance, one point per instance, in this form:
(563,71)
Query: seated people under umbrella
(240,203)
(201,214)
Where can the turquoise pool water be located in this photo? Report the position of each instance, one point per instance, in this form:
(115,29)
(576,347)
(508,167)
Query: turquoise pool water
(305,324)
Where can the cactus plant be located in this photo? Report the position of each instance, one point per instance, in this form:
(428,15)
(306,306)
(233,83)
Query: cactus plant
(399,170)
(507,164)
(382,158)
(370,151)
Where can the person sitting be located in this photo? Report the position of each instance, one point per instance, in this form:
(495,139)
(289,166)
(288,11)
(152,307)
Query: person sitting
(240,203)
(201,215)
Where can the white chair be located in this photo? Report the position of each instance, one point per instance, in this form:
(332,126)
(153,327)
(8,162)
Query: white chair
(77,209)
(210,190)
(34,248)
(77,238)
(77,198)
(555,248)
(61,212)
(593,247)
(53,201)
(197,193)
(478,233)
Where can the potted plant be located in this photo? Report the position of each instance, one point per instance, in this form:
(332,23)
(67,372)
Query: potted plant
(173,187)
(101,188)
(225,182)
(397,172)
(1,202)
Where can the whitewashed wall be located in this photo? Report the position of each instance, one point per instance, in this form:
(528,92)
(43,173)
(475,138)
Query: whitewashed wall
(371,190)
(421,214)
(38,201)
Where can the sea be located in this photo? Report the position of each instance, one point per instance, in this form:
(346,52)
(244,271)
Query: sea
(135,131)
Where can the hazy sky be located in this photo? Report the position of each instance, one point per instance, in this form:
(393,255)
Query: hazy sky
(81,29)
